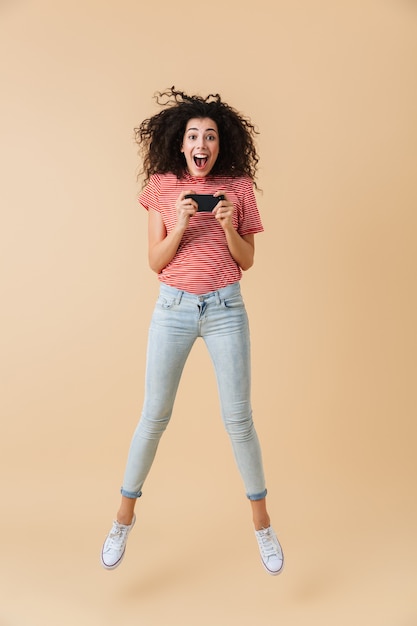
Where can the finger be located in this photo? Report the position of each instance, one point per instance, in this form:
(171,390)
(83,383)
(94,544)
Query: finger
(188,203)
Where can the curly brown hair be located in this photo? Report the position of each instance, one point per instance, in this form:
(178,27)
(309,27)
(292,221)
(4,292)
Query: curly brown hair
(160,137)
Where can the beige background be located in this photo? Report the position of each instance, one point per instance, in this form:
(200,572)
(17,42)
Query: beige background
(332,87)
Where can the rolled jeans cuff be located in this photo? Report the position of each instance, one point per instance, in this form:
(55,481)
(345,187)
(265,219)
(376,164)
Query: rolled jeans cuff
(130,494)
(257,496)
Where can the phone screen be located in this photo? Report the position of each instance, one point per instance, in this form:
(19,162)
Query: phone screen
(205,202)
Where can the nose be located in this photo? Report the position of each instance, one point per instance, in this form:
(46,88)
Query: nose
(202,142)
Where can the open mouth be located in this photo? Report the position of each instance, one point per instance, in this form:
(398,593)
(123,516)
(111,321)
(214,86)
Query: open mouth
(200,160)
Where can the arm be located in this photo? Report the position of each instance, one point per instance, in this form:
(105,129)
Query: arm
(162,247)
(241,247)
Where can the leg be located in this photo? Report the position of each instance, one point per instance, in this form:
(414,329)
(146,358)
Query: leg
(259,514)
(229,347)
(228,342)
(169,345)
(126,510)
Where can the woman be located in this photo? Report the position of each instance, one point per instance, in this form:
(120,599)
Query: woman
(201,146)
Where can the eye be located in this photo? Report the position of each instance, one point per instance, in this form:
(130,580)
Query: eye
(211,137)
(192,137)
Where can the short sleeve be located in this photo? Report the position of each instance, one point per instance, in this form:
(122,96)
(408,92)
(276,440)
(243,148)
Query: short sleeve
(249,218)
(149,198)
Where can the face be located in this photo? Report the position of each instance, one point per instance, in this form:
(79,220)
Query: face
(200,146)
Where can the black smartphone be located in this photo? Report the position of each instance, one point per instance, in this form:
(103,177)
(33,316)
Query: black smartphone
(205,202)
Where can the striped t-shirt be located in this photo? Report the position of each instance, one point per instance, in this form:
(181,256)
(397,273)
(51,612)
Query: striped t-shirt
(202,262)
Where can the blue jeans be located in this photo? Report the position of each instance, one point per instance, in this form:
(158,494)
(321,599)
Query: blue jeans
(178,319)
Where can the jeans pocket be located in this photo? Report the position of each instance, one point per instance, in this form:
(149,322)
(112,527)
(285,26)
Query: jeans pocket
(234,302)
(165,303)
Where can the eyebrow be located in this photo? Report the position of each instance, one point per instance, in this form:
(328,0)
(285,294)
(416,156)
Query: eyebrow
(207,129)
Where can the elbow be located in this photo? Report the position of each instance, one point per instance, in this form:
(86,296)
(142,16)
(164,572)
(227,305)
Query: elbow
(247,265)
(156,268)
(154,265)
(245,268)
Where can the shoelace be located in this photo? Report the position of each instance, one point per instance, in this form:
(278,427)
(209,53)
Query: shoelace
(267,544)
(117,536)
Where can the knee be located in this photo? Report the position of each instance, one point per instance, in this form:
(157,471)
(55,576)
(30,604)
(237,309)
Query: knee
(152,427)
(240,427)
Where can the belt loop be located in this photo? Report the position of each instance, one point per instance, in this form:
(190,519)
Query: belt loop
(179,297)
(218,298)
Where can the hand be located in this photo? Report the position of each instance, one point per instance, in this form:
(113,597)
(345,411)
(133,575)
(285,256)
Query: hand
(223,211)
(186,208)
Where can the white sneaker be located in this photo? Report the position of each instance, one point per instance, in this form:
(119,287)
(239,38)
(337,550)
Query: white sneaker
(115,545)
(270,550)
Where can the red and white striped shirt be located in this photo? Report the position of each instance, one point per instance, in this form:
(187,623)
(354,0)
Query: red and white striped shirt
(202,262)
